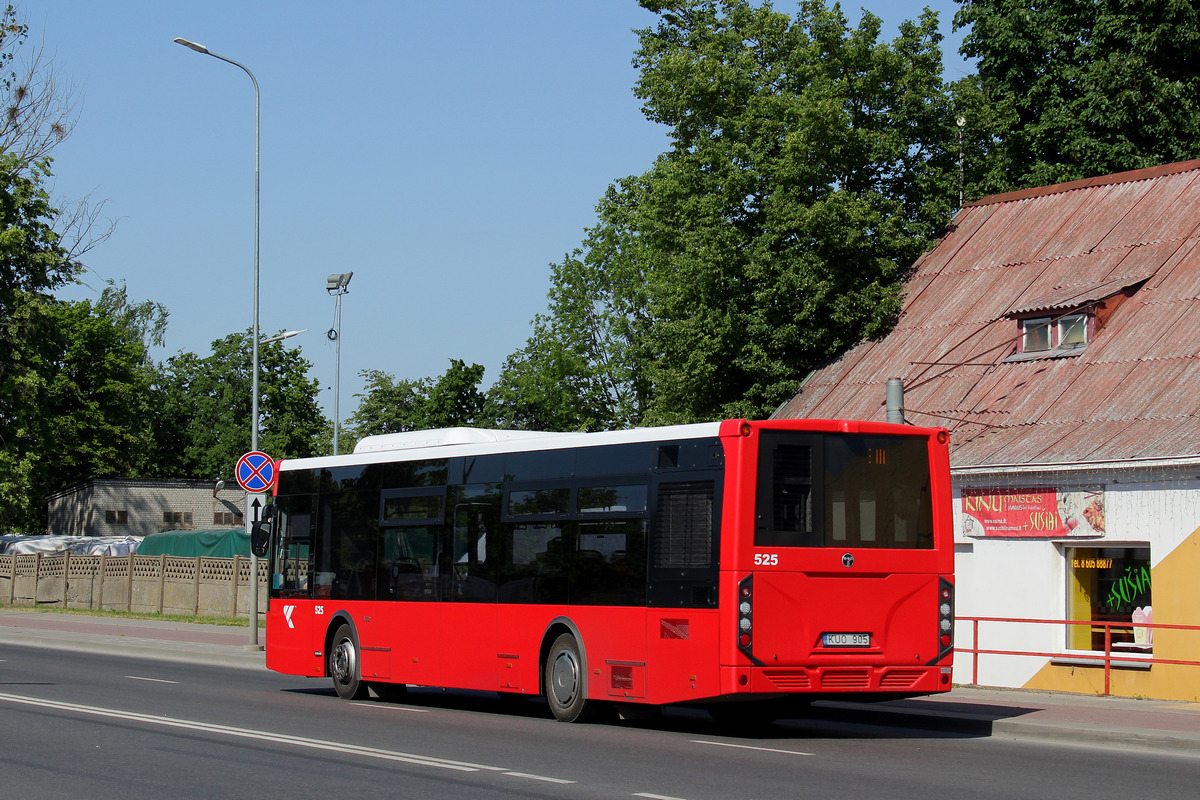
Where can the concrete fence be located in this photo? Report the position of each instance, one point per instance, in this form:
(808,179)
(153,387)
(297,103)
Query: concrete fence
(203,586)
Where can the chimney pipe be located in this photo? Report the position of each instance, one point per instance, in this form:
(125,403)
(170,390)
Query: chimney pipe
(895,401)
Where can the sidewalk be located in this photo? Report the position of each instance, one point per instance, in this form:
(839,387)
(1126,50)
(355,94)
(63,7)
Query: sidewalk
(1156,725)
(1162,726)
(143,638)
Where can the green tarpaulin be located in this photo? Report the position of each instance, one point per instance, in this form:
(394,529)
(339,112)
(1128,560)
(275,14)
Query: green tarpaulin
(225,543)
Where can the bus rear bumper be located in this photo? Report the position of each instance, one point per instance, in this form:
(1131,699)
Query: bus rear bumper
(836,680)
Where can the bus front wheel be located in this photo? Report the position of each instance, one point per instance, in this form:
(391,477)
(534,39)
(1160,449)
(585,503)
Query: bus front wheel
(566,682)
(343,665)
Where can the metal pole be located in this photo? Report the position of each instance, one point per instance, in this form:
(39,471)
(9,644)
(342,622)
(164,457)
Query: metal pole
(199,48)
(337,374)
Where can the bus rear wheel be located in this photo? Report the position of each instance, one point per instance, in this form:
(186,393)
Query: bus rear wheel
(343,665)
(566,682)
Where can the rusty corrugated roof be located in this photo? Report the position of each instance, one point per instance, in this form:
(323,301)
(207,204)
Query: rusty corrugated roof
(1124,245)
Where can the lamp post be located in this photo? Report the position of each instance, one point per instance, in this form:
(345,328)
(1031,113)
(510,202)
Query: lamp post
(199,48)
(336,286)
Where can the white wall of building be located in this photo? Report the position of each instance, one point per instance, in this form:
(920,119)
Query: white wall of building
(1028,578)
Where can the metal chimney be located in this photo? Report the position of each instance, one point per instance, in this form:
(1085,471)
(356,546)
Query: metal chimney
(895,401)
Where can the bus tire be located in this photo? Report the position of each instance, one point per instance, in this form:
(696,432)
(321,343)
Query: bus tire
(343,665)
(566,682)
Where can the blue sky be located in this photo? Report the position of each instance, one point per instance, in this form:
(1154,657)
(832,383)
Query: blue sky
(446,153)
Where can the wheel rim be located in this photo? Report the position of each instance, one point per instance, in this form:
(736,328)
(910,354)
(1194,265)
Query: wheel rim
(564,678)
(342,664)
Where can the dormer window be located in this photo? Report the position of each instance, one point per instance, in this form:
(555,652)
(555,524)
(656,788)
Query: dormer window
(1036,335)
(1052,337)
(1073,331)
(1063,321)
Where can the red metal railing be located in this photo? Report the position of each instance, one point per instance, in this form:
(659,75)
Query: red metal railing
(1107,656)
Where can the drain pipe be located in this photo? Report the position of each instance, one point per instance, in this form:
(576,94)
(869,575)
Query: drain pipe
(895,401)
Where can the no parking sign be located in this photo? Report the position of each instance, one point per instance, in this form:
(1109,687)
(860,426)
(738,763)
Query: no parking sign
(255,472)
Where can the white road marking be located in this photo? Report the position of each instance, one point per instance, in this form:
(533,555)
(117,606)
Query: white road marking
(391,707)
(152,680)
(537,777)
(247,733)
(751,747)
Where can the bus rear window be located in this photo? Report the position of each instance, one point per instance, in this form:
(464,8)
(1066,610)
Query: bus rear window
(843,490)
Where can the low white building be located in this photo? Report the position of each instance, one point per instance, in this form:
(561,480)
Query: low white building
(1056,333)
(135,507)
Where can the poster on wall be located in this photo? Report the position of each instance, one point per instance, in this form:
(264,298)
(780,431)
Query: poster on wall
(1033,513)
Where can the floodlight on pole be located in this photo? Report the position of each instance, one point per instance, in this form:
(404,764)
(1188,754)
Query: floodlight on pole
(199,48)
(279,337)
(336,285)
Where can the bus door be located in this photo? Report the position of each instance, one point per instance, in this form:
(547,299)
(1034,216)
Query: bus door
(412,563)
(469,588)
(290,615)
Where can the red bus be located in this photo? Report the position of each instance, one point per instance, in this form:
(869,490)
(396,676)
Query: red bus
(715,564)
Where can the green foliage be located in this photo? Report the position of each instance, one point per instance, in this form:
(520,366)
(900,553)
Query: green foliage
(395,406)
(205,408)
(581,368)
(810,165)
(32,264)
(82,406)
(1077,88)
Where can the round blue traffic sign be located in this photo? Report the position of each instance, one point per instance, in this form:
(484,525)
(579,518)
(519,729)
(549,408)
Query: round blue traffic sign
(255,472)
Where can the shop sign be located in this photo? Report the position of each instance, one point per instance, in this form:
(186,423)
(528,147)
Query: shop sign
(1033,513)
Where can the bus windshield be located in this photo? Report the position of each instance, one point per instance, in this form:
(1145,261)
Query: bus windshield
(843,490)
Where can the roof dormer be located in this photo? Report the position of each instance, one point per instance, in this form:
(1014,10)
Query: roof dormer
(1063,322)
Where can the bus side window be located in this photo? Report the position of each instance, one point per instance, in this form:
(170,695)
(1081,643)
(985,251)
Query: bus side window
(411,558)
(473,578)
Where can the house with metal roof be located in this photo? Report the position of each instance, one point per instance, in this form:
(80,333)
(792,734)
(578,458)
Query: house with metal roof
(1055,332)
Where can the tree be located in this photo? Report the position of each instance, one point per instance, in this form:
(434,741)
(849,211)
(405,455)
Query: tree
(1079,88)
(38,107)
(53,355)
(32,264)
(205,408)
(97,406)
(84,406)
(810,164)
(580,369)
(395,406)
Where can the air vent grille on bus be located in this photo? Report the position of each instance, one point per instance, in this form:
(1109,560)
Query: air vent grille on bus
(900,678)
(788,678)
(846,679)
(684,533)
(622,677)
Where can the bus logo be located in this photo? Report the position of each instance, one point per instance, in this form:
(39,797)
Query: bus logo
(287,614)
(848,560)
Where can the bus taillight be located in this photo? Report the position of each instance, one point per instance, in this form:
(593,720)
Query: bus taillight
(945,617)
(745,615)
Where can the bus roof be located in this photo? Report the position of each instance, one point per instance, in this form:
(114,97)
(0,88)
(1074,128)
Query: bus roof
(440,437)
(450,442)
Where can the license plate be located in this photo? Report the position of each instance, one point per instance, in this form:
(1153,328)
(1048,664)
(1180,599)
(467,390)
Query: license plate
(846,639)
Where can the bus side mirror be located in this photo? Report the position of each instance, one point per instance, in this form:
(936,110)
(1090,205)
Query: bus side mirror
(260,532)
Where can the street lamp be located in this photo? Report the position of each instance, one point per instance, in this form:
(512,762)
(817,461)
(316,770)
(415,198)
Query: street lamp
(199,48)
(336,286)
(279,337)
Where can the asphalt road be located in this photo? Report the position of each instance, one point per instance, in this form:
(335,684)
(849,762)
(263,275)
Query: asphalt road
(85,725)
